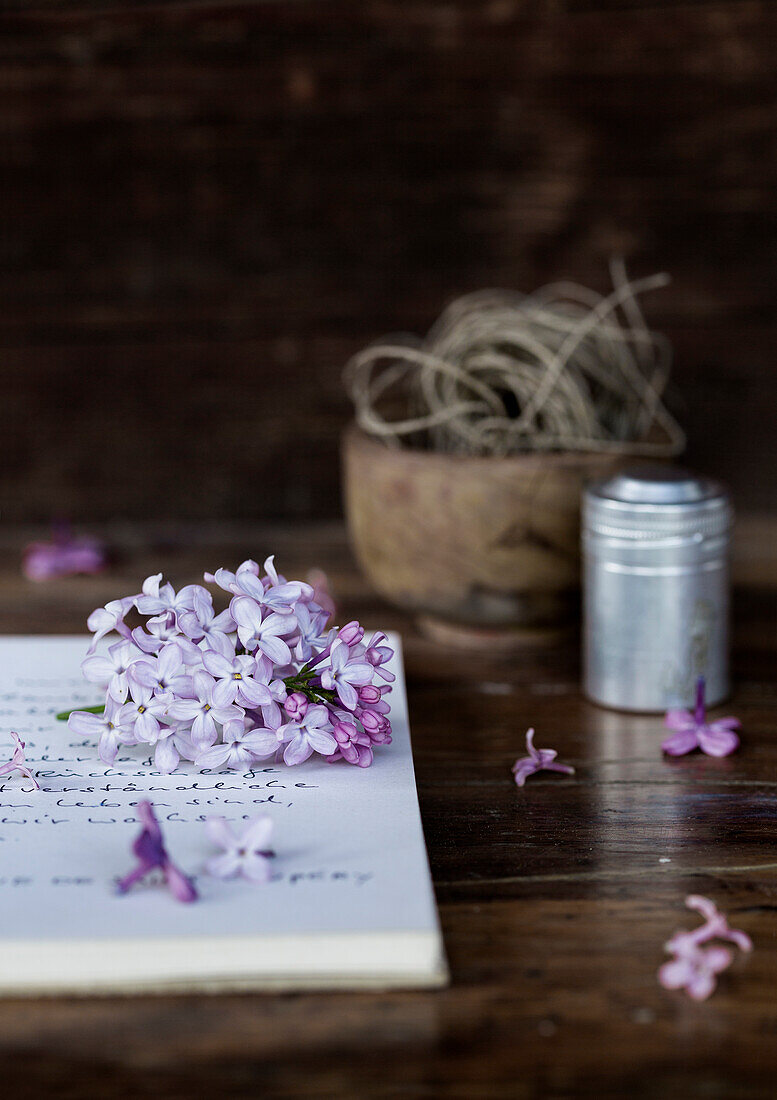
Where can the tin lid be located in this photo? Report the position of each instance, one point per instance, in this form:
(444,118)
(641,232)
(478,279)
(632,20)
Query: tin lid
(655,502)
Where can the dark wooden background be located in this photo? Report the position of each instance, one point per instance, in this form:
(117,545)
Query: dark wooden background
(205,207)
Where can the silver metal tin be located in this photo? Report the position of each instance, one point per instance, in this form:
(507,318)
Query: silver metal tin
(655,589)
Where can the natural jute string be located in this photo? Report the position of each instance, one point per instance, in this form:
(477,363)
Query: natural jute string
(501,373)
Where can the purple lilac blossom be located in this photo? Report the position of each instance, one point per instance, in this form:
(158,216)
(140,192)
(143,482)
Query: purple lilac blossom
(715,927)
(243,679)
(18,762)
(537,760)
(695,967)
(161,630)
(693,731)
(695,970)
(204,713)
(235,750)
(165,674)
(64,556)
(103,620)
(224,688)
(309,734)
(377,653)
(111,729)
(345,672)
(151,854)
(247,854)
(110,670)
(203,623)
(353,744)
(296,705)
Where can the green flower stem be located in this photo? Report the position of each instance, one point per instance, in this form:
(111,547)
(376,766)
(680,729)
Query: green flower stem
(312,692)
(65,714)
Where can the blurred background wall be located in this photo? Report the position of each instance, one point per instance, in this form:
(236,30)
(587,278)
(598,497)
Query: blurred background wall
(206,207)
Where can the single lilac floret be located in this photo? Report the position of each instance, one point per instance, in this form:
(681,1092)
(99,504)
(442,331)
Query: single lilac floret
(158,599)
(110,670)
(693,731)
(537,760)
(204,713)
(229,581)
(152,855)
(242,679)
(111,617)
(143,714)
(296,706)
(113,728)
(274,592)
(234,752)
(695,967)
(247,854)
(166,674)
(378,655)
(353,744)
(18,762)
(64,556)
(259,633)
(715,927)
(203,624)
(309,734)
(311,628)
(345,674)
(161,630)
(695,970)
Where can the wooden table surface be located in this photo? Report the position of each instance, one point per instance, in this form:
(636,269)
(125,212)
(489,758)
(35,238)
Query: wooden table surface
(555,900)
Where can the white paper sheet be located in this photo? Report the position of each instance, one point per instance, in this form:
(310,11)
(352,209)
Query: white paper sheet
(350,901)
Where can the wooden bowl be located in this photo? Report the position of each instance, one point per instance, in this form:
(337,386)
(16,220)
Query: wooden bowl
(475,546)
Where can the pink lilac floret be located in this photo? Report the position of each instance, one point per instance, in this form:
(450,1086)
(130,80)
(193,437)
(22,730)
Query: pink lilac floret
(537,760)
(149,849)
(693,731)
(18,763)
(65,556)
(697,962)
(246,853)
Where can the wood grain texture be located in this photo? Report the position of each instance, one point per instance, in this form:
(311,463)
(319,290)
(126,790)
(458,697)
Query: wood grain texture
(208,206)
(553,899)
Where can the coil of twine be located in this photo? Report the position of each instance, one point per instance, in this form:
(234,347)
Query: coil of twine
(502,373)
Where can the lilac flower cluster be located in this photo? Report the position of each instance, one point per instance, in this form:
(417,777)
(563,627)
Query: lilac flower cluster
(263,678)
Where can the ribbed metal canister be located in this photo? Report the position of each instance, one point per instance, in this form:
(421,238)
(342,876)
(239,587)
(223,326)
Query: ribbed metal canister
(655,589)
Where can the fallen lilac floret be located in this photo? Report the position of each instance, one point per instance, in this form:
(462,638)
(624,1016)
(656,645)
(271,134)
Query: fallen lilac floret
(693,731)
(152,855)
(64,556)
(537,760)
(18,762)
(715,925)
(695,970)
(248,854)
(695,967)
